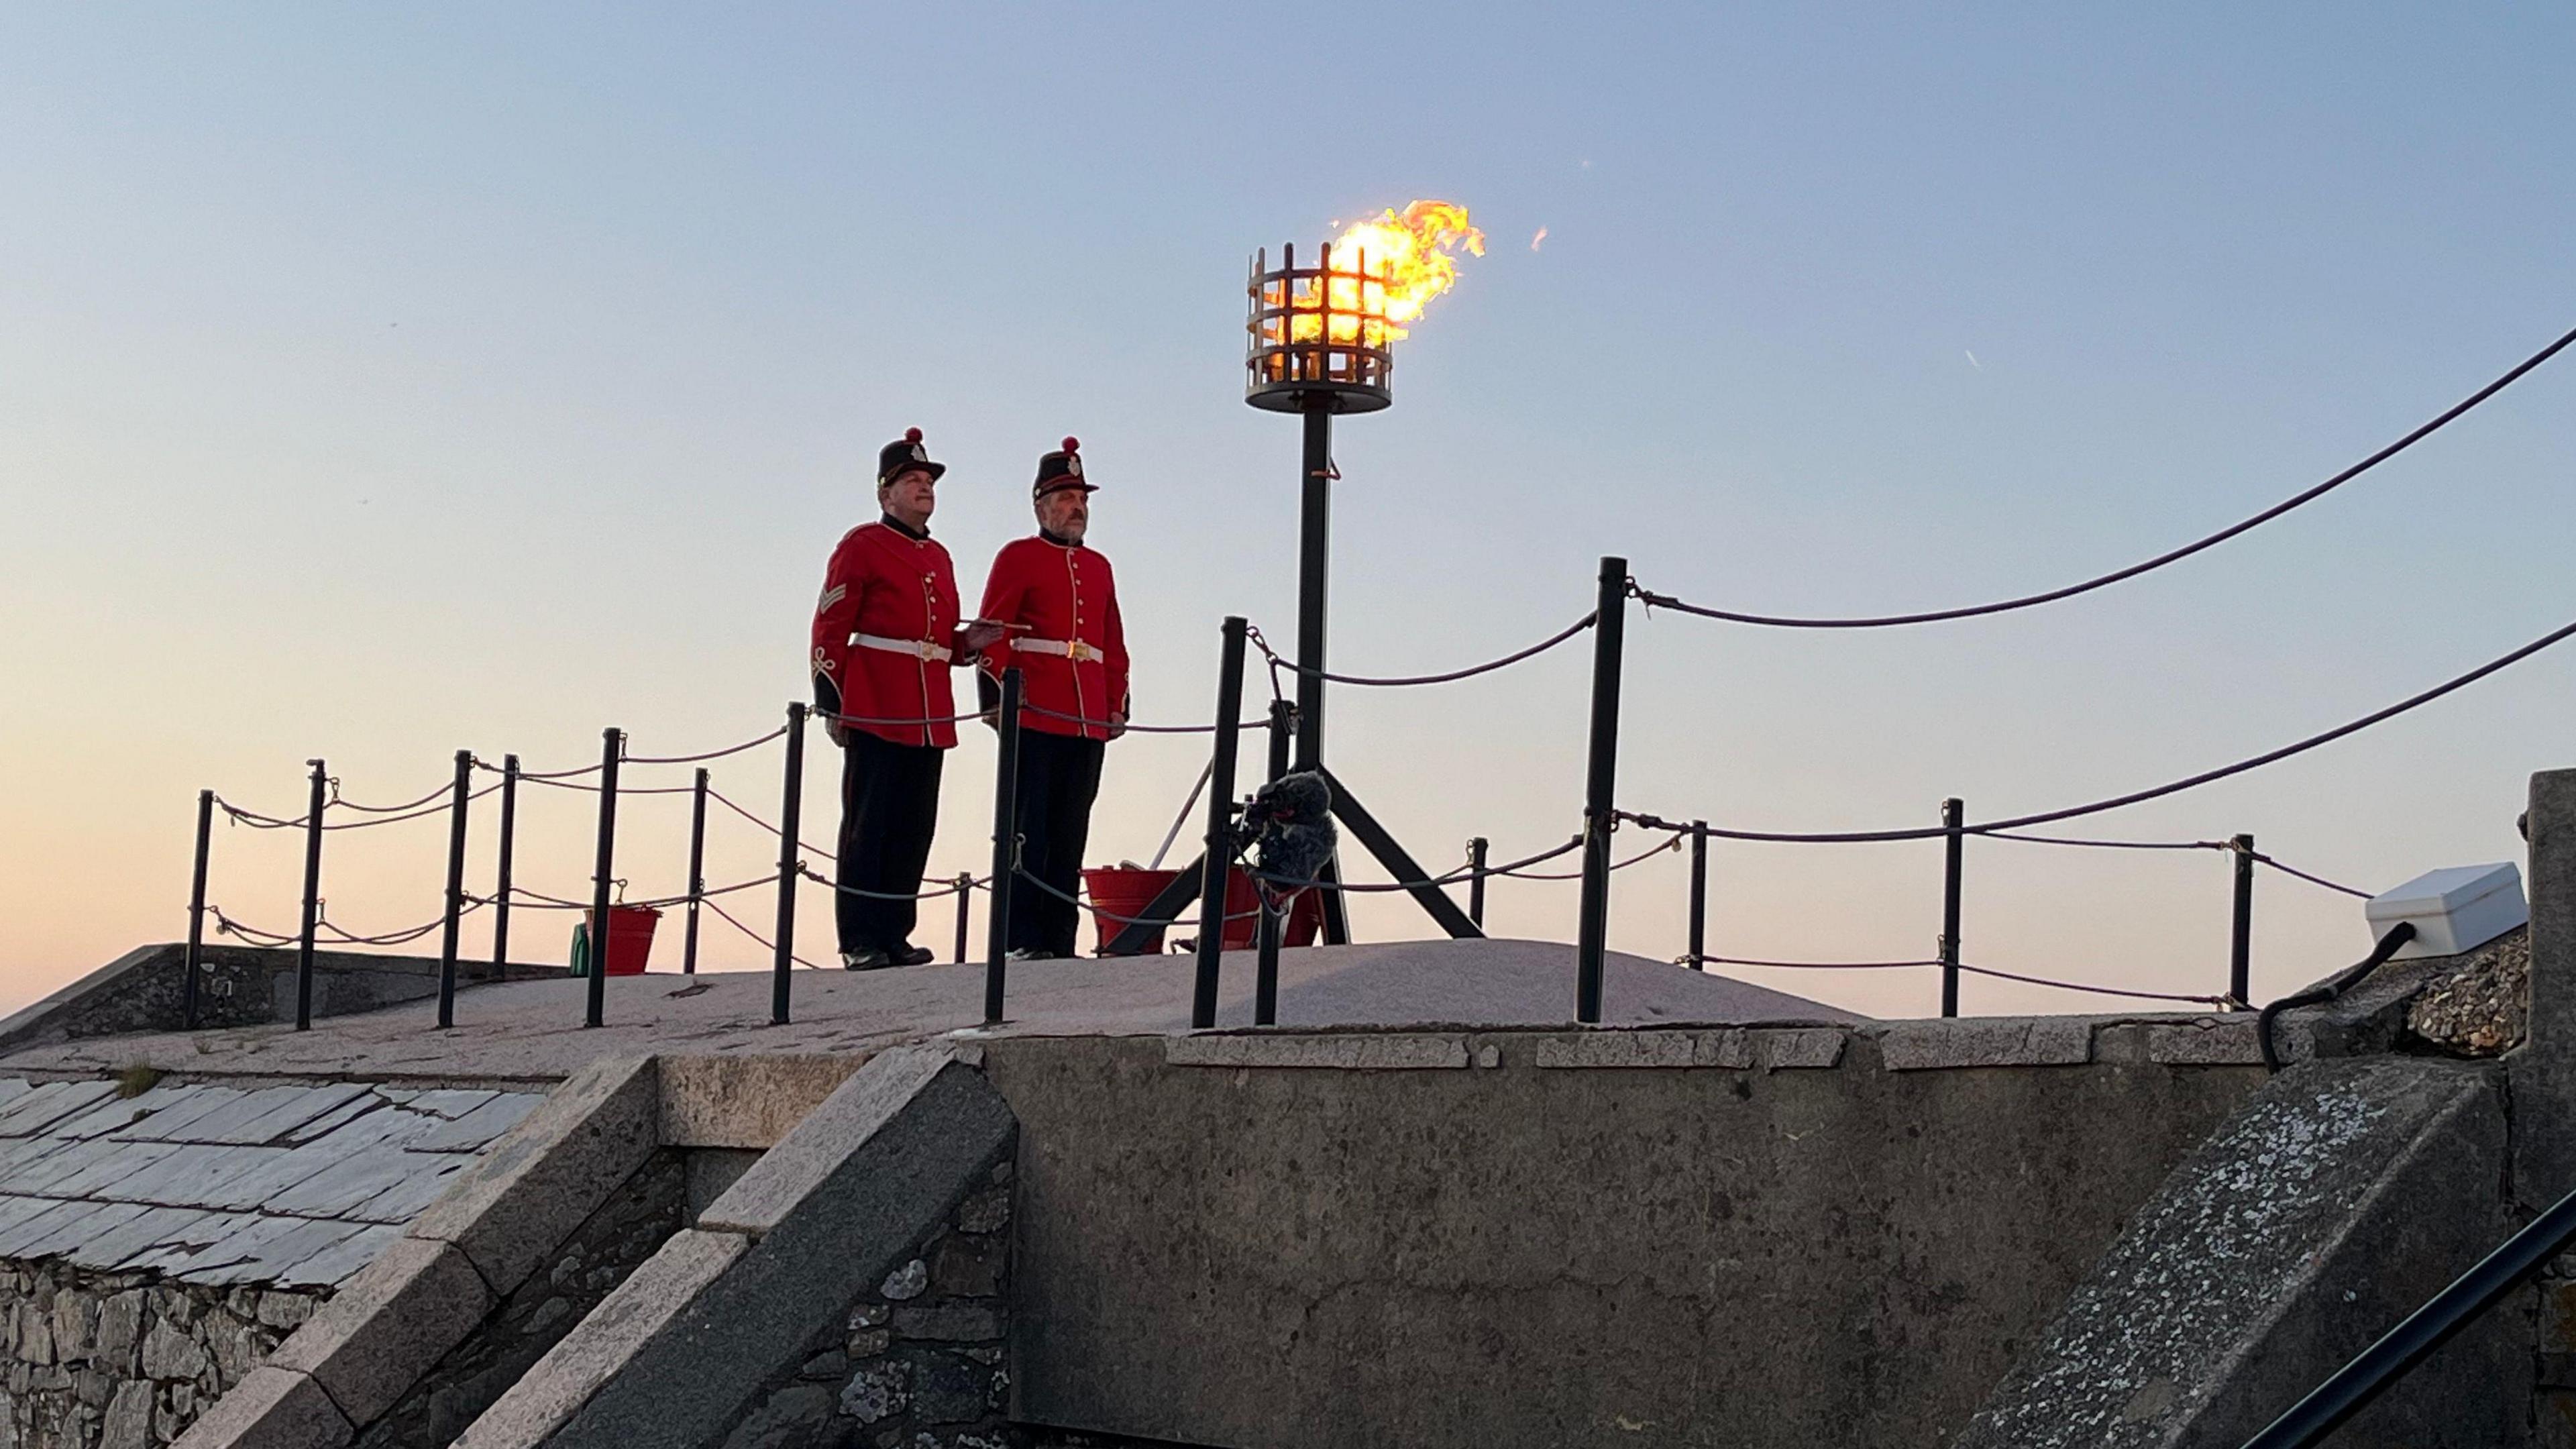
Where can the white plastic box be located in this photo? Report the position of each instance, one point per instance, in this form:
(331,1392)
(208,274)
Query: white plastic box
(2459,908)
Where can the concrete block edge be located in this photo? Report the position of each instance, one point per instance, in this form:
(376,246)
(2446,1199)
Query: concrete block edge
(590,1134)
(271,1408)
(1349,1051)
(559,1383)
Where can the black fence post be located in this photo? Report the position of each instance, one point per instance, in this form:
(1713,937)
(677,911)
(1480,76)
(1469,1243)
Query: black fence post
(1600,785)
(455,889)
(312,900)
(1268,926)
(611,746)
(2240,944)
(965,895)
(501,879)
(1952,812)
(1006,846)
(697,869)
(791,821)
(197,909)
(1699,895)
(1219,860)
(1477,848)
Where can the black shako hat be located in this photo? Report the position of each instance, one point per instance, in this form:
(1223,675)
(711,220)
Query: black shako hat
(1062,469)
(904,455)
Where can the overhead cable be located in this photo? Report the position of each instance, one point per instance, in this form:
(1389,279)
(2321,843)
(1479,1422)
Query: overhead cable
(2002,606)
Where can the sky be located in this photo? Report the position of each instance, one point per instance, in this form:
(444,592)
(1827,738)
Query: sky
(377,382)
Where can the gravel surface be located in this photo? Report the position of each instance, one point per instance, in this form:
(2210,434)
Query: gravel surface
(2478,1010)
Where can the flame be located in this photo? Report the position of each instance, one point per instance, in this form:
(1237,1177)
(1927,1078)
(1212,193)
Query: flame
(1384,272)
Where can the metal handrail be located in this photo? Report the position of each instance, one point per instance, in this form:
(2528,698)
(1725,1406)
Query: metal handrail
(2353,1386)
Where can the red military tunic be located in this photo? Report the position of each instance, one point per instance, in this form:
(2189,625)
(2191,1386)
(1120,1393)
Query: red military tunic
(883,630)
(1072,657)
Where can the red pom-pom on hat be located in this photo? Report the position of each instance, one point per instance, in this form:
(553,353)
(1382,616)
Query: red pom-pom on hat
(1073,445)
(912,435)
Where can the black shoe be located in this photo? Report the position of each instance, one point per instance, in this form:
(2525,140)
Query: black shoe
(867,958)
(1029,953)
(912,955)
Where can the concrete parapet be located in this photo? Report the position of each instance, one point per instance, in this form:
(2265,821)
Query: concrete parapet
(1342,1051)
(1629,1049)
(745,1102)
(2014,1041)
(1731,1048)
(2333,1203)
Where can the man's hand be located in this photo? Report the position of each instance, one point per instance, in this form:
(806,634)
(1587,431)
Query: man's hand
(1117,723)
(977,635)
(837,732)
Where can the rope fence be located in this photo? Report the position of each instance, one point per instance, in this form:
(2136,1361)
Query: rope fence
(1406,681)
(329,811)
(2223,1002)
(2174,787)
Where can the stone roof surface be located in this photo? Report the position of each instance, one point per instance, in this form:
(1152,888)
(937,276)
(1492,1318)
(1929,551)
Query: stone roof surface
(297,1184)
(531,1031)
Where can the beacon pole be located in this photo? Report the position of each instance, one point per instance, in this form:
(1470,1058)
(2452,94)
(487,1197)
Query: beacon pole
(1314,548)
(1314,570)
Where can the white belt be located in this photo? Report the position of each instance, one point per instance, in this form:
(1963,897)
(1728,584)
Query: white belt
(1074,649)
(918,648)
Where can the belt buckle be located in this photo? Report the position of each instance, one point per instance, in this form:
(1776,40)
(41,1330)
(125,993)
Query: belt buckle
(1081,650)
(924,648)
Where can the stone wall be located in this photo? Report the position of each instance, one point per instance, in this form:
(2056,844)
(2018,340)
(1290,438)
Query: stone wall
(1480,1239)
(122,1360)
(145,990)
(921,1364)
(627,1229)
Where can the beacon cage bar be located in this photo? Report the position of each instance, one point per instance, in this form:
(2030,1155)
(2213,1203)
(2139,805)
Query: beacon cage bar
(1318,338)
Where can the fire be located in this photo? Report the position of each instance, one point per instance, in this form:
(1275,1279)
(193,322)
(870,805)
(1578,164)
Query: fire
(1384,272)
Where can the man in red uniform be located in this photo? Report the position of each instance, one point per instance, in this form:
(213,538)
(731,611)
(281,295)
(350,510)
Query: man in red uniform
(1071,652)
(885,636)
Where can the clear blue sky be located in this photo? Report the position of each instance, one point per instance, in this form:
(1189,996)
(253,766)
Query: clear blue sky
(376,381)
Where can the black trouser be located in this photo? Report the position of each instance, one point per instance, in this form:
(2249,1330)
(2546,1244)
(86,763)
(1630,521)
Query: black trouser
(889,806)
(1059,775)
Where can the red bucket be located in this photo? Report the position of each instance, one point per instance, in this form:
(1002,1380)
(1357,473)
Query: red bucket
(630,937)
(1122,891)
